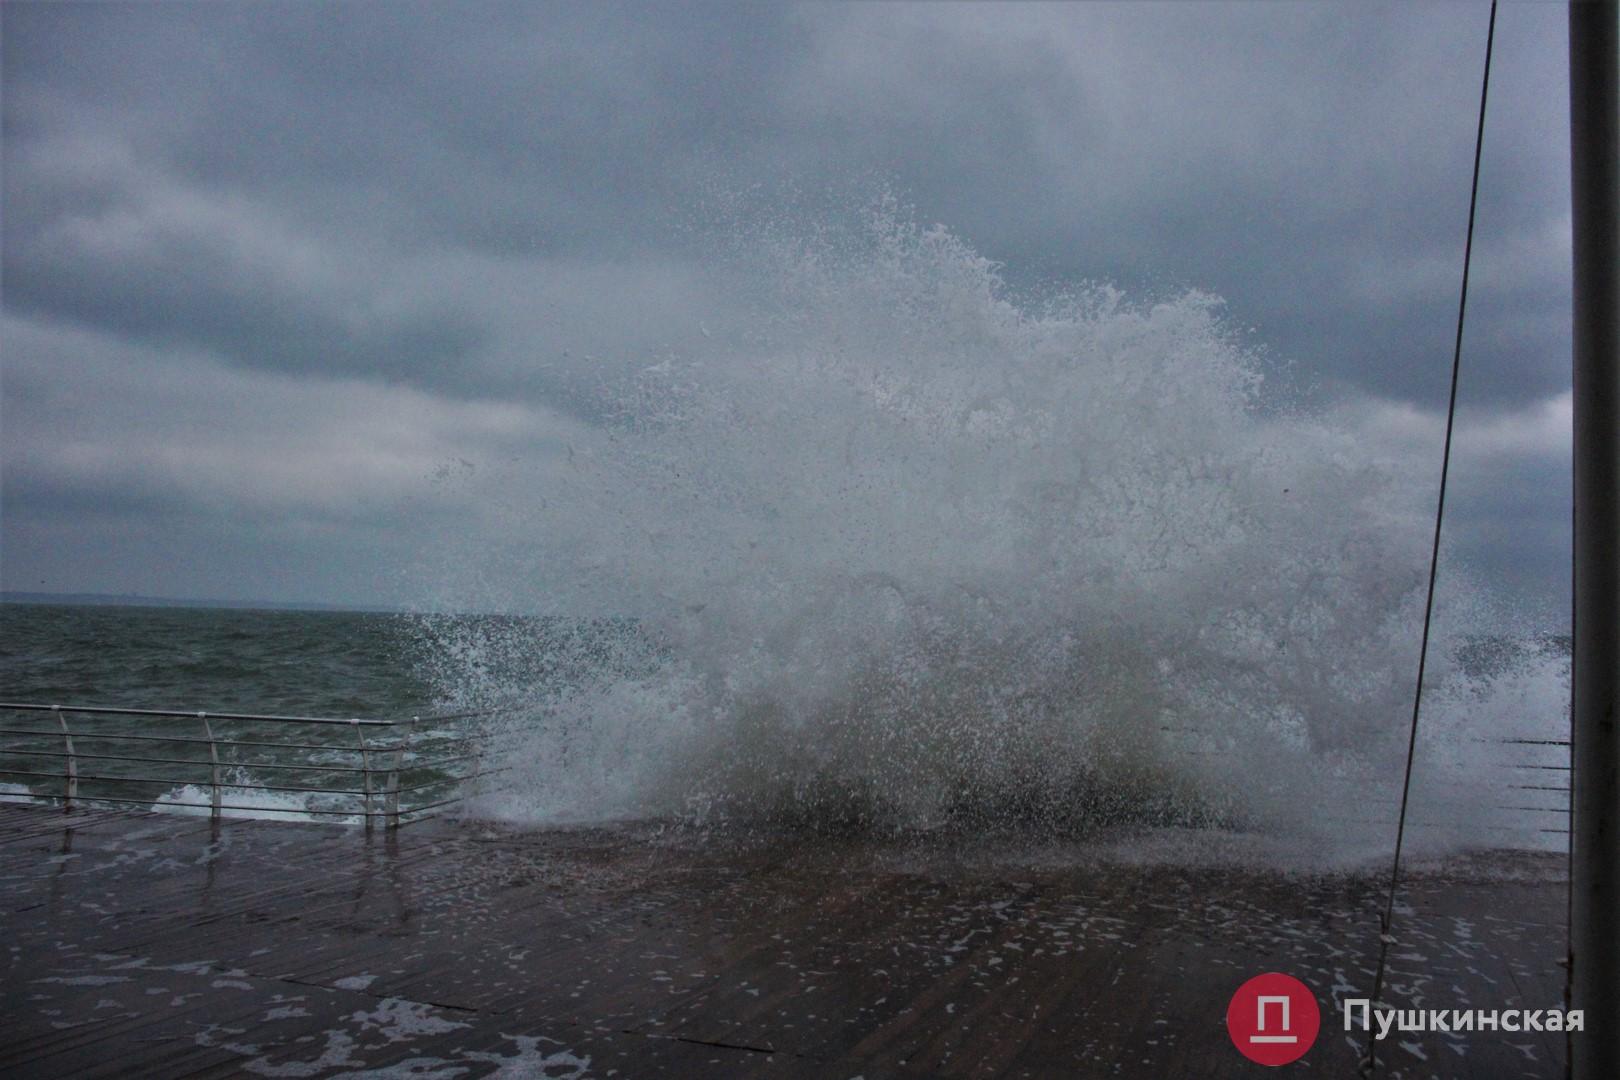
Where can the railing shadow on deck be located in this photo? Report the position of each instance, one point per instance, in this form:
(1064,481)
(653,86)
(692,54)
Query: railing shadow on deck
(245,764)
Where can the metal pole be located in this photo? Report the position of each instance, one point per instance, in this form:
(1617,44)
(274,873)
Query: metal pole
(1594,931)
(72,791)
(391,786)
(215,791)
(365,765)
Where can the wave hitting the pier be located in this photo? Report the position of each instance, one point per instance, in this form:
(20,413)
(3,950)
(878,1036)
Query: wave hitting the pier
(893,546)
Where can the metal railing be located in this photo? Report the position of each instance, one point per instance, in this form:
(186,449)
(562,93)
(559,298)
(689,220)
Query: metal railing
(1531,797)
(398,771)
(246,763)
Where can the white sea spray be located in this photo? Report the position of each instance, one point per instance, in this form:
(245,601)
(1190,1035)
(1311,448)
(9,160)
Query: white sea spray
(895,547)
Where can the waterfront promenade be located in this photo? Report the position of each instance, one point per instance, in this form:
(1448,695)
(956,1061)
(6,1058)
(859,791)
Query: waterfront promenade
(142,944)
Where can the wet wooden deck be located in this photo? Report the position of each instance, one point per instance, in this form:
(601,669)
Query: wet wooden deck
(159,945)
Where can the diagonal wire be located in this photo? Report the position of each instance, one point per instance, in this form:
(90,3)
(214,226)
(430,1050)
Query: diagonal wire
(1386,921)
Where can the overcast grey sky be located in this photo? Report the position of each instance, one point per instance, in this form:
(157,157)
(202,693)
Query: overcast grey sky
(276,274)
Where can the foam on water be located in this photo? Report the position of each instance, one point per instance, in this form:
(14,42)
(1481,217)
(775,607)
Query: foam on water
(248,802)
(906,549)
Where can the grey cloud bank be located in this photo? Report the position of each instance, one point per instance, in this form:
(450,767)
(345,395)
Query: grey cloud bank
(281,282)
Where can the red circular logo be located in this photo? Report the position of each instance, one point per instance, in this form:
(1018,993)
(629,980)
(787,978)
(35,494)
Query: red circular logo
(1273,1019)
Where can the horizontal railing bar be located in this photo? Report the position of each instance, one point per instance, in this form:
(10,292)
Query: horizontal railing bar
(239,785)
(158,806)
(458,752)
(247,785)
(300,768)
(1464,806)
(265,809)
(442,762)
(94,736)
(37,775)
(1492,764)
(466,753)
(432,805)
(405,811)
(113,757)
(1473,738)
(1453,825)
(240,806)
(278,745)
(200,805)
(442,780)
(186,761)
(458,798)
(108,710)
(458,715)
(1468,784)
(407,766)
(172,780)
(471,776)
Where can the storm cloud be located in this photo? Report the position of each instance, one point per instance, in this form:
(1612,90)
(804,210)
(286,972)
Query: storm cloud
(275,277)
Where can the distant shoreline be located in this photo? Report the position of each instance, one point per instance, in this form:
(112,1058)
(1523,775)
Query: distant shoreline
(10,596)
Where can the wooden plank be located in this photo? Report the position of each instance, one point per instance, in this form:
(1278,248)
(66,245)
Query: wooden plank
(170,948)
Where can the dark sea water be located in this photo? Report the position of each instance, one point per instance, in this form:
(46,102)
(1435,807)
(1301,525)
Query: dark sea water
(302,663)
(558,703)
(315,663)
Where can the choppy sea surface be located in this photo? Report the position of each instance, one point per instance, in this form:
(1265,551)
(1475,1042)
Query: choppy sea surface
(534,672)
(323,664)
(311,663)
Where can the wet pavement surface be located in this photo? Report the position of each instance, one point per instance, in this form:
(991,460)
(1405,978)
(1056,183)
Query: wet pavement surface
(144,944)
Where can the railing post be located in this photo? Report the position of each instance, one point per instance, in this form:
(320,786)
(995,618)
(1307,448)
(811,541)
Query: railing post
(365,768)
(72,761)
(215,793)
(470,782)
(391,800)
(381,795)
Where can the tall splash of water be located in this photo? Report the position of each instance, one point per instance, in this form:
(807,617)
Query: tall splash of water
(898,550)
